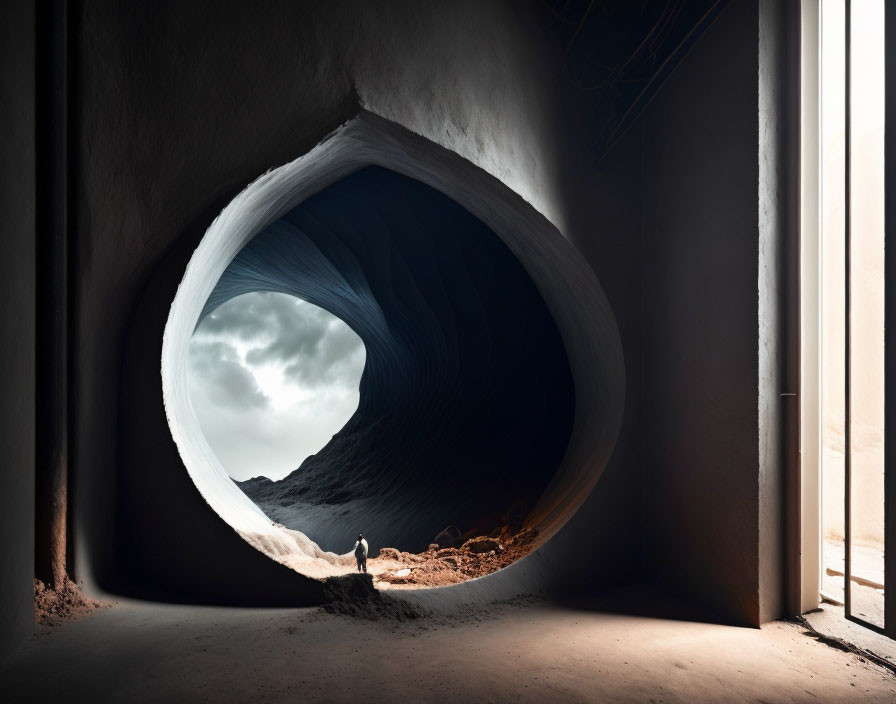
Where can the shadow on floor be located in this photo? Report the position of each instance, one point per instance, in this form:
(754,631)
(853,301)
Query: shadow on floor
(642,600)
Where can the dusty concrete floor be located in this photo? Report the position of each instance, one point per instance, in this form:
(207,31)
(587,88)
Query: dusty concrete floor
(830,621)
(595,652)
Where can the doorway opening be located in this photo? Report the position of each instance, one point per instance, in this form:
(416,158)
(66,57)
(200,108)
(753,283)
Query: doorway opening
(843,312)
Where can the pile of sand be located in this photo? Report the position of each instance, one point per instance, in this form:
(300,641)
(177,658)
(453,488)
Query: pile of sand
(354,595)
(53,607)
(438,567)
(298,552)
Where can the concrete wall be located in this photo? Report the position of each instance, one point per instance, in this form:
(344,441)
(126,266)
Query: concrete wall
(700,172)
(604,222)
(17,322)
(718,193)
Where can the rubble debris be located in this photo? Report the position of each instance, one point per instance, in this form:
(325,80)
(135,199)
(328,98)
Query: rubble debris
(477,557)
(450,537)
(481,544)
(53,607)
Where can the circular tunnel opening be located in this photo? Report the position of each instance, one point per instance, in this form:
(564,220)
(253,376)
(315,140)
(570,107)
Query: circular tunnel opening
(466,398)
(491,391)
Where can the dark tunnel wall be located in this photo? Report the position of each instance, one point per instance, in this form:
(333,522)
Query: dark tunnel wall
(466,401)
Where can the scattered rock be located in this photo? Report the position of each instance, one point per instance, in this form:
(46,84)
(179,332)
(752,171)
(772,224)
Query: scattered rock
(389,554)
(452,565)
(450,537)
(481,544)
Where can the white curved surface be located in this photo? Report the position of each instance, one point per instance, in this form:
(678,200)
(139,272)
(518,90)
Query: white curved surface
(567,284)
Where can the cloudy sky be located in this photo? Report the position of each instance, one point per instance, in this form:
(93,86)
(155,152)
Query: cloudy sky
(272,379)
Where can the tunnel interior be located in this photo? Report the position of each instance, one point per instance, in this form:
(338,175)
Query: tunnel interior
(466,399)
(493,387)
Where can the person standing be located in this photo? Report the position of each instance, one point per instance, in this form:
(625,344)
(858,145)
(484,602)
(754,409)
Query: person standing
(361,553)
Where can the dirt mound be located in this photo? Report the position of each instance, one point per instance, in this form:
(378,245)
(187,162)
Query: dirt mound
(53,607)
(475,558)
(354,595)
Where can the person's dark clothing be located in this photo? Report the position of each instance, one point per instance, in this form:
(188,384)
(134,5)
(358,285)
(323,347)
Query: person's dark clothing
(361,554)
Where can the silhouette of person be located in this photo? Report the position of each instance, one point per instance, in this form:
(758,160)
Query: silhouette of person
(361,553)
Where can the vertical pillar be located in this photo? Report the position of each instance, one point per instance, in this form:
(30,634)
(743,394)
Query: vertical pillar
(51,484)
(890,317)
(17,287)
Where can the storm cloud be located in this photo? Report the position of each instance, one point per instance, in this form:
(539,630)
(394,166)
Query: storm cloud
(272,378)
(227,382)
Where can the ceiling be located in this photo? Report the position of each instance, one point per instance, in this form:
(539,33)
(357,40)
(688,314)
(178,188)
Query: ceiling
(617,53)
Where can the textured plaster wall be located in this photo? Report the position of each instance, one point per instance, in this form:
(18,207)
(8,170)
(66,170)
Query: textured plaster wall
(718,154)
(17,326)
(701,313)
(604,222)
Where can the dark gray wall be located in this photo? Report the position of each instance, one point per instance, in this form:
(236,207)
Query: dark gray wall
(700,363)
(604,222)
(719,152)
(17,322)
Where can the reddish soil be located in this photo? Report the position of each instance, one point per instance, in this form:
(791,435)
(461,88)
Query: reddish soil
(442,566)
(53,607)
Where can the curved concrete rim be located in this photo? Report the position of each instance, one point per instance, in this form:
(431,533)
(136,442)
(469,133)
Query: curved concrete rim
(566,282)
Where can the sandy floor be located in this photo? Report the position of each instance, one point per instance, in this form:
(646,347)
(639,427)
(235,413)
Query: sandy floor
(599,652)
